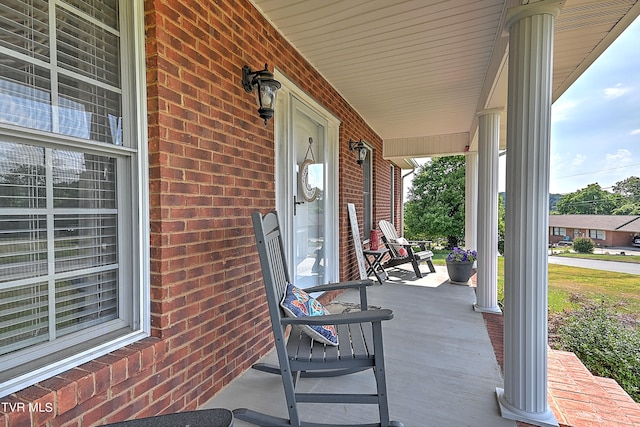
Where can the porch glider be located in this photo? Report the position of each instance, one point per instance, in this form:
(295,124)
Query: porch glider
(359,339)
(402,251)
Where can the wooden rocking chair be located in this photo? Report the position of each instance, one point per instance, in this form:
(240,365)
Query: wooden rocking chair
(359,340)
(402,251)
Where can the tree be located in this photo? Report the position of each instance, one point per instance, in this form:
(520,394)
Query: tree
(501,226)
(592,200)
(553,201)
(436,201)
(628,209)
(629,187)
(629,190)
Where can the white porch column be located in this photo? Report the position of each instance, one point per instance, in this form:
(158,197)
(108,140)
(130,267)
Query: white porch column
(524,397)
(488,183)
(471,200)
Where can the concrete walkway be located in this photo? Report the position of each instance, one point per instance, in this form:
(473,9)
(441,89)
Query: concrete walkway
(441,368)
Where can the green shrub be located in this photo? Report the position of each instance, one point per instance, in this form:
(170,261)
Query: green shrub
(605,344)
(583,245)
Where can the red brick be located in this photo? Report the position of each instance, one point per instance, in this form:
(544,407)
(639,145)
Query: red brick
(211,164)
(66,397)
(118,371)
(40,404)
(19,418)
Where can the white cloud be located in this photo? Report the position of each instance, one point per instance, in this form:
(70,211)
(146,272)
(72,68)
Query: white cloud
(616,92)
(621,158)
(578,160)
(635,132)
(561,110)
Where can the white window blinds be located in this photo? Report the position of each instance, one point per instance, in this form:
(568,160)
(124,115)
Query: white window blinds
(69,183)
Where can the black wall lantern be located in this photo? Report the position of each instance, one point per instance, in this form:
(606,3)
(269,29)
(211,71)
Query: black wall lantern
(266,87)
(361,150)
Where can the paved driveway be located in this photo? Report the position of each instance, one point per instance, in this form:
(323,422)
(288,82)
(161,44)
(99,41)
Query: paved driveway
(618,267)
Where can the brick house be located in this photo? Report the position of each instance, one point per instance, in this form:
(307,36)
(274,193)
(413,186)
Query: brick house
(604,230)
(131,159)
(181,314)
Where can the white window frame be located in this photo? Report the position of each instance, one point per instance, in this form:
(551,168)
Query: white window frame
(133,218)
(367,193)
(559,231)
(392,201)
(597,234)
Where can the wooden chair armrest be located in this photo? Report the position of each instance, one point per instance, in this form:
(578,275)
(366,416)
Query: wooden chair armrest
(352,284)
(420,243)
(367,316)
(398,244)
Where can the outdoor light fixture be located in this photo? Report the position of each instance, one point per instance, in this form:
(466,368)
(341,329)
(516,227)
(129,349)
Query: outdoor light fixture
(361,150)
(266,87)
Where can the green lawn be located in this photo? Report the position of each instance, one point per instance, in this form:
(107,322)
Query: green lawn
(604,257)
(439,256)
(568,285)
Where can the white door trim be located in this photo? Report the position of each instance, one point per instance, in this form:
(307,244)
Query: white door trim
(283,131)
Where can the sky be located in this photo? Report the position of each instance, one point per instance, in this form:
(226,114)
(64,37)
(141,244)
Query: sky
(595,124)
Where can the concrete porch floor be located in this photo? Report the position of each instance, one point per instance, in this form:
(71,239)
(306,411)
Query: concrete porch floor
(441,367)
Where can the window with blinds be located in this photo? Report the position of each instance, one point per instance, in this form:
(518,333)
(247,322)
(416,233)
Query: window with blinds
(66,169)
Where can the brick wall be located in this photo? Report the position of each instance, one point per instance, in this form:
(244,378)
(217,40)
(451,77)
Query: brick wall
(211,164)
(612,238)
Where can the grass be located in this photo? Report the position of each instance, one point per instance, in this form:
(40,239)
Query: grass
(635,259)
(565,282)
(618,288)
(590,313)
(439,256)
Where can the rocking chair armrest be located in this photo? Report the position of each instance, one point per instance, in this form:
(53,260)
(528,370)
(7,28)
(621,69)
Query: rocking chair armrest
(421,243)
(352,284)
(366,316)
(418,242)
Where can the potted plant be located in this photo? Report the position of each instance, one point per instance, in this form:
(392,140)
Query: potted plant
(460,265)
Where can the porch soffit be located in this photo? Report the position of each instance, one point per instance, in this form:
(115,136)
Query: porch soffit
(418,71)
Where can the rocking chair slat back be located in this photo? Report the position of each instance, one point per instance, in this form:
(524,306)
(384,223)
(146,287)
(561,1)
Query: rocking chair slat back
(271,252)
(300,356)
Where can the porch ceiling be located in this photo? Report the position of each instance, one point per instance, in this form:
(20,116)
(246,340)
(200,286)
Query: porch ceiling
(418,71)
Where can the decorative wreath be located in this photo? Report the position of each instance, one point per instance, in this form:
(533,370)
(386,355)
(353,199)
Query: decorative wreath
(309,193)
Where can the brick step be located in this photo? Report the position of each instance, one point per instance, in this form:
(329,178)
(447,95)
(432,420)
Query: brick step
(580,399)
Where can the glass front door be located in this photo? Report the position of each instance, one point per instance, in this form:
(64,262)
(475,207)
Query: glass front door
(306,172)
(309,139)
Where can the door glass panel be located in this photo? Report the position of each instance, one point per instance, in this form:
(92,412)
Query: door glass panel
(309,201)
